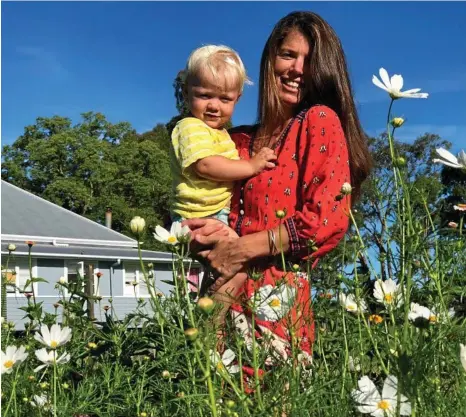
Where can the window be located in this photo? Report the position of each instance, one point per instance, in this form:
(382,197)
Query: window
(17,275)
(193,279)
(75,271)
(130,276)
(9,275)
(134,275)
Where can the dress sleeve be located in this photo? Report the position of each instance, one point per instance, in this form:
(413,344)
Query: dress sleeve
(322,212)
(195,141)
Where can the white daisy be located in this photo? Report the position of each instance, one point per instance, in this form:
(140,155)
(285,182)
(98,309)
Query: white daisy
(40,401)
(224,362)
(417,312)
(434,315)
(10,357)
(354,364)
(371,402)
(172,237)
(463,355)
(54,337)
(388,292)
(451,160)
(394,85)
(49,358)
(349,303)
(274,302)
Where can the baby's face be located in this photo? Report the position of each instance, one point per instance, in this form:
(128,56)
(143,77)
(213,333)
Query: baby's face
(210,101)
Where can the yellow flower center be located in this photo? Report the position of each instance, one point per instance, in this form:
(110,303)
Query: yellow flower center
(53,344)
(383,405)
(433,318)
(8,364)
(388,298)
(220,366)
(275,303)
(351,307)
(171,239)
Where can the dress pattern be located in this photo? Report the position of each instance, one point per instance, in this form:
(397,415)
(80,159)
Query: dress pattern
(311,167)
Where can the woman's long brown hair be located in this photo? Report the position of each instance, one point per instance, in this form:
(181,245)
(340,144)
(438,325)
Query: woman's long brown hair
(326,82)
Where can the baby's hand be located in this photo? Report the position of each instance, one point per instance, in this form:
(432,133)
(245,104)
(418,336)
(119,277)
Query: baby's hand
(262,160)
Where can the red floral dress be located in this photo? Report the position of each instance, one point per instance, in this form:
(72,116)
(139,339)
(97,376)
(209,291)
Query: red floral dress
(311,168)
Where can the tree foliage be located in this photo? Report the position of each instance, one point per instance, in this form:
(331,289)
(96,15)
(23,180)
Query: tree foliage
(94,165)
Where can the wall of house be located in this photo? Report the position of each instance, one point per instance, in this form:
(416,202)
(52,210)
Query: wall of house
(115,282)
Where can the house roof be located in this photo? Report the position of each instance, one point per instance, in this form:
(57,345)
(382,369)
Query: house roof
(26,216)
(85,252)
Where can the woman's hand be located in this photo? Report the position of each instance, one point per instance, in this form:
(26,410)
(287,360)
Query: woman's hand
(218,245)
(227,258)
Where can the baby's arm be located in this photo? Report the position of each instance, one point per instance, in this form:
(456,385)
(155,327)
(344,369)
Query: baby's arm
(219,168)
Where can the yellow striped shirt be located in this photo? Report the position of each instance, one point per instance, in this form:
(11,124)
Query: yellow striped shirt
(195,196)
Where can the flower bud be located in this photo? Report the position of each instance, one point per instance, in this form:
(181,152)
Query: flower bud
(191,334)
(230,404)
(165,374)
(346,188)
(11,247)
(92,345)
(44,385)
(106,308)
(137,225)
(453,225)
(280,214)
(31,377)
(98,274)
(255,275)
(397,122)
(56,305)
(134,283)
(30,243)
(62,280)
(206,304)
(295,268)
(143,414)
(400,162)
(65,385)
(150,265)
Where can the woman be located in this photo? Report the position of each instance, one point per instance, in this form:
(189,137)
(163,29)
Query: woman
(306,113)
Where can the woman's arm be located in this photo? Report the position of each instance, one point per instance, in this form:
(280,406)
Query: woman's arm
(323,217)
(230,254)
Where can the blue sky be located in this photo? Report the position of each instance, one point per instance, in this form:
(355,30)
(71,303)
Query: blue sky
(120,58)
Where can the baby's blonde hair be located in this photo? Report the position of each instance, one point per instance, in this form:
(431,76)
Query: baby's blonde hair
(223,62)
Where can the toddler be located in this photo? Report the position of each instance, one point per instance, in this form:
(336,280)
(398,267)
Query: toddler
(203,157)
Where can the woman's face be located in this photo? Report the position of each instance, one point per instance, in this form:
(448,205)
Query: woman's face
(291,63)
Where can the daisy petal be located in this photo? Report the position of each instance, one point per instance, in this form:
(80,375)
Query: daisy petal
(390,388)
(413,90)
(384,77)
(447,155)
(377,82)
(396,82)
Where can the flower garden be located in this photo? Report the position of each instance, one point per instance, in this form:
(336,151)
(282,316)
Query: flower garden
(390,325)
